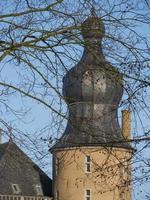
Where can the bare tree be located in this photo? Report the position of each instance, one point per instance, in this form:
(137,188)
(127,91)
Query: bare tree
(40,41)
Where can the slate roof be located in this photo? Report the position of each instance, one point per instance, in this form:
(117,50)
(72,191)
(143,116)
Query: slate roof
(17,168)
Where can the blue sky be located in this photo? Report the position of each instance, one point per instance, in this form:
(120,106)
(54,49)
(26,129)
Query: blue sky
(40,121)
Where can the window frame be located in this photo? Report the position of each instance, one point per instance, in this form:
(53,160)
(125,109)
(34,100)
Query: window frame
(88,196)
(57,163)
(39,190)
(16,189)
(57,195)
(88,164)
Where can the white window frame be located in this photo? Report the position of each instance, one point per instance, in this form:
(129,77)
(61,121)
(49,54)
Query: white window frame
(88,196)
(57,195)
(16,188)
(88,164)
(57,166)
(39,190)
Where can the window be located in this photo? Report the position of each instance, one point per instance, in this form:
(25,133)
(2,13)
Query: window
(57,166)
(88,194)
(16,189)
(88,164)
(38,190)
(57,195)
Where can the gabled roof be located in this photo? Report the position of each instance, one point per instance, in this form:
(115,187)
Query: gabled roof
(17,168)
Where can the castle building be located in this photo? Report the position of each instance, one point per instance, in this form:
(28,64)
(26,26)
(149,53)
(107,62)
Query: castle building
(91,161)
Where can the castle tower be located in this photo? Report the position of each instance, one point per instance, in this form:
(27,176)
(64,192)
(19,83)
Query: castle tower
(91,161)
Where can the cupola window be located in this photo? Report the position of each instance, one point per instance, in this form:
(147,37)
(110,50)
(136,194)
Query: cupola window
(16,189)
(87,164)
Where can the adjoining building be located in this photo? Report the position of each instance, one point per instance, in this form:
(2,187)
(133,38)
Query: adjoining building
(20,177)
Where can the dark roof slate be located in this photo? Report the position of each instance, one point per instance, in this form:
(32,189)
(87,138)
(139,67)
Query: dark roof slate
(17,168)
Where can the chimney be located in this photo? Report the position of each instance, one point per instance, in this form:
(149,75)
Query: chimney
(1,136)
(126,124)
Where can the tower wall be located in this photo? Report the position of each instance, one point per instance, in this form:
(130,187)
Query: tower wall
(108,178)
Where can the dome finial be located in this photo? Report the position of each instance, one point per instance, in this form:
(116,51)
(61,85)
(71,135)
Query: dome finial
(93,29)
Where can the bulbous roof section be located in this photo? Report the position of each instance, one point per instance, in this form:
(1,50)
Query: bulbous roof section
(92,89)
(93,85)
(93,79)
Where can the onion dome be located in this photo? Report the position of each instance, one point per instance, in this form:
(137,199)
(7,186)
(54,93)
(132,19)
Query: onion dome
(92,89)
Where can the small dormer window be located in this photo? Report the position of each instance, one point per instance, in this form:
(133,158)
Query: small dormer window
(16,189)
(38,190)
